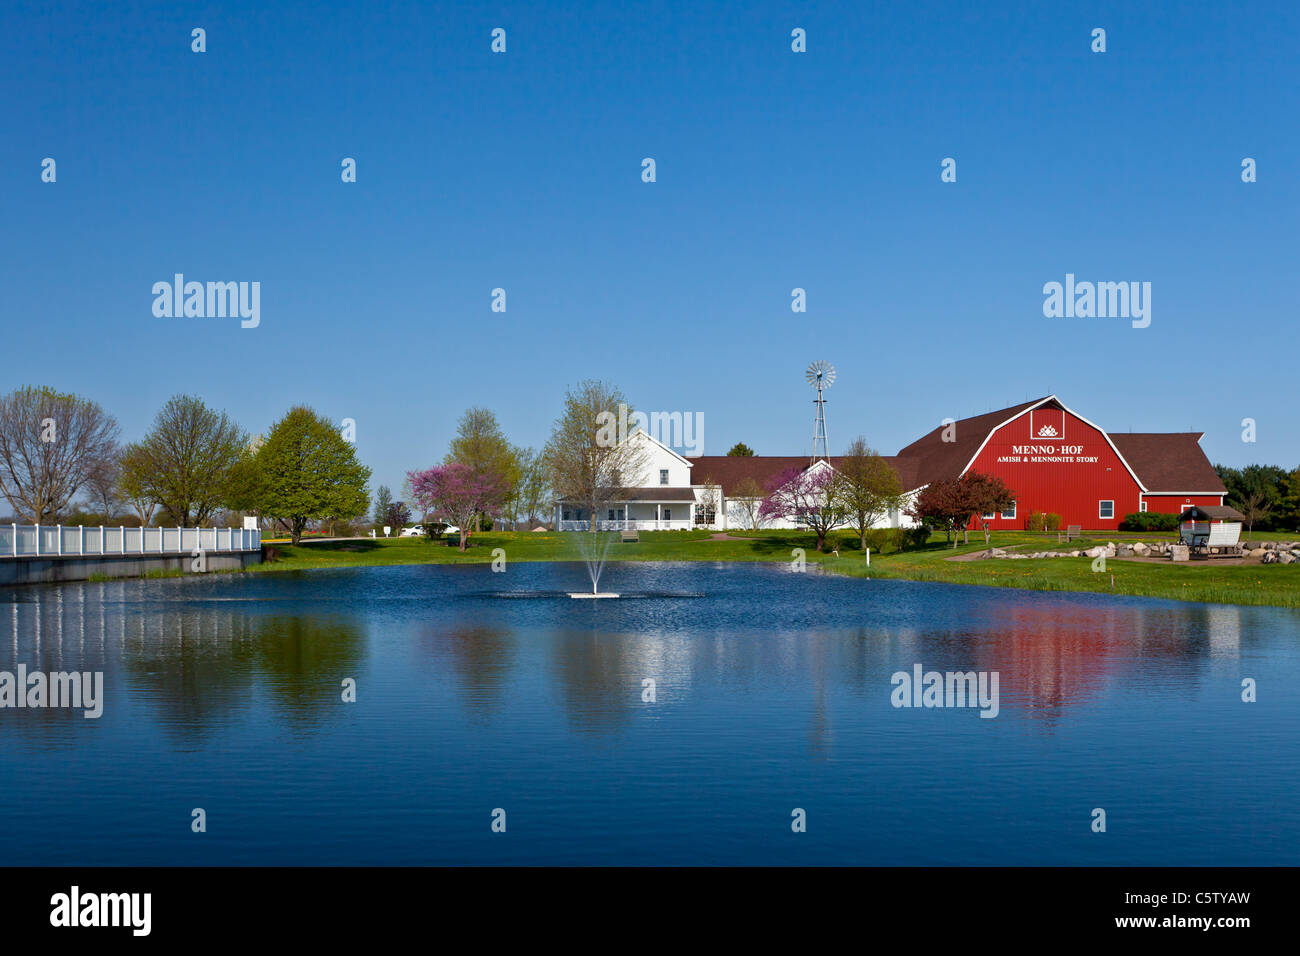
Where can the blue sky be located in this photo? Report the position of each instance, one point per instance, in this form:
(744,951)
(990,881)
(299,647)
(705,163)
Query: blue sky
(775,170)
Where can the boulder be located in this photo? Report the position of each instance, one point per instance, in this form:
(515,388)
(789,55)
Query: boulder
(1180,552)
(1286,557)
(1270,557)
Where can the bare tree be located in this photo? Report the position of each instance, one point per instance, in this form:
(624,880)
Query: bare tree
(749,494)
(1255,506)
(50,444)
(710,500)
(102,483)
(590,463)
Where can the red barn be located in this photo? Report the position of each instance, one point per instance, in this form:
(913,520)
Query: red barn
(1057,461)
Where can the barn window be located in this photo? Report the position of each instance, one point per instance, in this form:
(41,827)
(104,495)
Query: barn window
(988,517)
(1105,509)
(1142,506)
(663,476)
(1011,512)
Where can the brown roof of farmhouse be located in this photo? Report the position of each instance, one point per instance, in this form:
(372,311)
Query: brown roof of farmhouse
(1163,462)
(730,471)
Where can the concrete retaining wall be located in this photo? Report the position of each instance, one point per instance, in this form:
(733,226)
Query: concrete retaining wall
(52,569)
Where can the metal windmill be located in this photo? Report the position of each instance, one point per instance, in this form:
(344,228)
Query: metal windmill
(821,376)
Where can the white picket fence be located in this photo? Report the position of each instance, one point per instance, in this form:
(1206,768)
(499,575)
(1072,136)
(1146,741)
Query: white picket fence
(34,540)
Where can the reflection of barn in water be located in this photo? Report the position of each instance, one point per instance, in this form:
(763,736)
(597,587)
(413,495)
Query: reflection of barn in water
(1055,655)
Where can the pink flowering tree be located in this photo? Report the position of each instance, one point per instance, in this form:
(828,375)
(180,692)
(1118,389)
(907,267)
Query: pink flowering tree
(807,496)
(458,493)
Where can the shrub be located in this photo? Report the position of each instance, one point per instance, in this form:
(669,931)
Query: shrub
(1043,521)
(916,537)
(1149,521)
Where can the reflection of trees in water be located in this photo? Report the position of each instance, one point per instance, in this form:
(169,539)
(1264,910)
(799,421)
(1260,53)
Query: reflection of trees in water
(482,656)
(303,661)
(198,663)
(195,667)
(202,667)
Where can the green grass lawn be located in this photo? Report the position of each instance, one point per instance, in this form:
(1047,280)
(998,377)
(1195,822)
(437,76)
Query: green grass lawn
(1273,584)
(1268,584)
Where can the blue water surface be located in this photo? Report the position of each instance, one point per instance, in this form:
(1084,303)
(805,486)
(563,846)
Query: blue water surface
(772,693)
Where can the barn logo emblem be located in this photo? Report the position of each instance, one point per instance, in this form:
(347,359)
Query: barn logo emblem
(1047,423)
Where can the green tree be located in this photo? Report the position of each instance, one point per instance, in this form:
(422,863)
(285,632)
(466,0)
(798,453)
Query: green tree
(133,486)
(868,488)
(383,501)
(481,444)
(184,462)
(740,450)
(533,485)
(306,472)
(1289,506)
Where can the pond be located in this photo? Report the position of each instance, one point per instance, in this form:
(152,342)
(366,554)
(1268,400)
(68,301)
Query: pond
(701,722)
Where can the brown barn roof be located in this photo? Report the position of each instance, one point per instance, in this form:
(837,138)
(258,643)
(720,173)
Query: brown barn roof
(930,458)
(1170,461)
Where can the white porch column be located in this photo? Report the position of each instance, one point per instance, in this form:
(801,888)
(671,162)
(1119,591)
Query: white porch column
(659,509)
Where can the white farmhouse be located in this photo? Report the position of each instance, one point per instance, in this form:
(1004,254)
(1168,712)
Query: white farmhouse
(675,493)
(661,498)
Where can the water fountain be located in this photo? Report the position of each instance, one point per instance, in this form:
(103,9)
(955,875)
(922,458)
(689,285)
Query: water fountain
(594,547)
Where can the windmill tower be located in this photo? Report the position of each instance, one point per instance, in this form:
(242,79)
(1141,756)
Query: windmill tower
(821,376)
